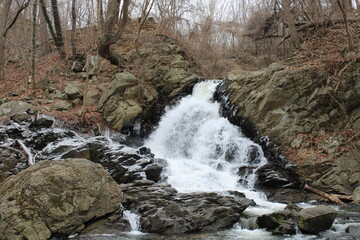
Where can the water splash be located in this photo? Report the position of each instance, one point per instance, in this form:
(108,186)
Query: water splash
(205,152)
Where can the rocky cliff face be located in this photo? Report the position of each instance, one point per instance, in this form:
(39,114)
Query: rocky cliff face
(164,76)
(293,104)
(284,102)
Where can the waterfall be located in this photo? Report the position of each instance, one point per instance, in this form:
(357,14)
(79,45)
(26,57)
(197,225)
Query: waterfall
(134,220)
(204,151)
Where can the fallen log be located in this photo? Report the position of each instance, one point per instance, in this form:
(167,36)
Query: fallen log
(27,152)
(331,197)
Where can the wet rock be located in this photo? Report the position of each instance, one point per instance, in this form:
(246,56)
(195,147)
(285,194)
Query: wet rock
(124,164)
(14,107)
(317,219)
(42,121)
(285,228)
(72,91)
(278,176)
(41,138)
(21,117)
(163,210)
(62,105)
(353,229)
(273,221)
(153,172)
(55,198)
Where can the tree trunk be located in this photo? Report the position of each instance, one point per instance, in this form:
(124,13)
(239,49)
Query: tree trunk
(44,39)
(58,31)
(343,10)
(33,50)
(3,22)
(289,18)
(59,43)
(73,28)
(106,38)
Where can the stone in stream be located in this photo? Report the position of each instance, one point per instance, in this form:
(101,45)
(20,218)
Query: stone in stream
(316,219)
(55,197)
(309,220)
(163,210)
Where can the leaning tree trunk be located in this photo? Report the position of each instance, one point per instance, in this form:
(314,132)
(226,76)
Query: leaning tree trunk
(106,38)
(58,31)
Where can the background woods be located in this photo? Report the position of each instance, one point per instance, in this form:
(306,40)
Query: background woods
(219,35)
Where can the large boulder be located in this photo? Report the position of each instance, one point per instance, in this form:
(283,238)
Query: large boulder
(163,210)
(316,219)
(309,220)
(55,198)
(123,100)
(14,107)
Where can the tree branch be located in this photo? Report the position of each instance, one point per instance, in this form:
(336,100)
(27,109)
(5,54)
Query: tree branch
(21,8)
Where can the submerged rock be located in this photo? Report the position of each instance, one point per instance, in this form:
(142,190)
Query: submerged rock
(163,210)
(55,197)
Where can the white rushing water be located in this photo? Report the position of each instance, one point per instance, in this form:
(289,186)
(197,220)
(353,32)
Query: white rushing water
(205,151)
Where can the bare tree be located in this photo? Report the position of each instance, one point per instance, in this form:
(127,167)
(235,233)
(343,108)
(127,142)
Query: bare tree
(5,26)
(44,39)
(73,28)
(290,20)
(33,48)
(56,31)
(342,5)
(111,21)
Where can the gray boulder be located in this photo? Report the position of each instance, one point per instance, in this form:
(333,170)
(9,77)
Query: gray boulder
(316,219)
(163,210)
(14,107)
(62,105)
(55,198)
(72,91)
(91,97)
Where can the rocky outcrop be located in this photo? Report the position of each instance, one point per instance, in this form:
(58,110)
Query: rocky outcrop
(309,220)
(124,164)
(341,176)
(124,99)
(55,197)
(164,77)
(284,102)
(163,210)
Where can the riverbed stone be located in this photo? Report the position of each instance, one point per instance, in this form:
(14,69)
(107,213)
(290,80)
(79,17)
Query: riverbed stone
(316,219)
(55,198)
(163,210)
